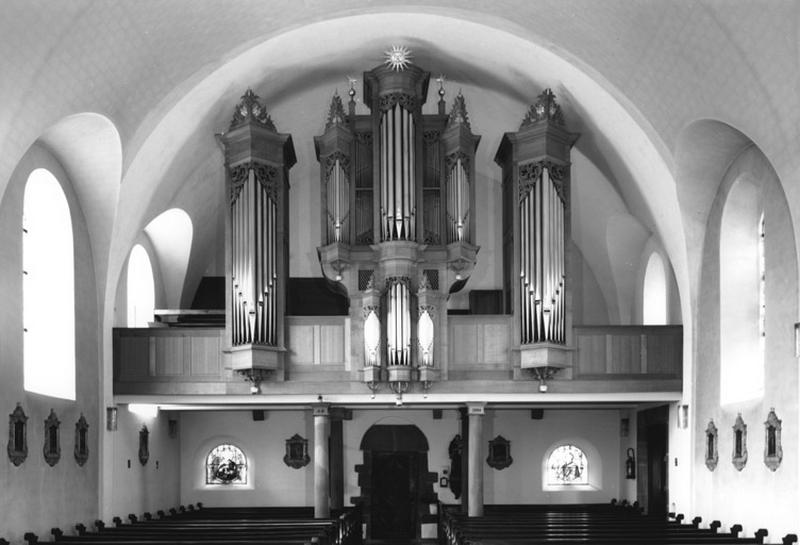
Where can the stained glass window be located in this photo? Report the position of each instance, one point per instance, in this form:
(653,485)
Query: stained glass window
(226,464)
(567,465)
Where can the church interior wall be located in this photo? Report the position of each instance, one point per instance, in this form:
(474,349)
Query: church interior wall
(597,432)
(36,495)
(61,65)
(755,496)
(272,483)
(140,488)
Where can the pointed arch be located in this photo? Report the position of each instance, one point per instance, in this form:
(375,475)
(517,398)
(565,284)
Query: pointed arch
(171,233)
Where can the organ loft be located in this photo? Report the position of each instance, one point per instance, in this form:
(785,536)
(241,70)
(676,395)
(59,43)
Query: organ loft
(386,274)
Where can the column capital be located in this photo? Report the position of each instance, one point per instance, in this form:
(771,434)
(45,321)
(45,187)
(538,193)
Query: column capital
(321,409)
(478,408)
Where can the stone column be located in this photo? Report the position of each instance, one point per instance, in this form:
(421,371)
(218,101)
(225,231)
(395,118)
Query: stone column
(464,427)
(475,468)
(322,424)
(336,459)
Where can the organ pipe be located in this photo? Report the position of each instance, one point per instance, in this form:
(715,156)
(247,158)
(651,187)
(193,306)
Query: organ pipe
(398,330)
(397,167)
(254,255)
(458,193)
(542,272)
(338,198)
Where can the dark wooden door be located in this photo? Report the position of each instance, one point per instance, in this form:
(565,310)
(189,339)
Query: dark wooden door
(394,495)
(657,459)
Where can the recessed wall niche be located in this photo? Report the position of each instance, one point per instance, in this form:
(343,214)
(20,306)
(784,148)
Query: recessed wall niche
(81,441)
(17,436)
(773,451)
(52,439)
(499,453)
(296,452)
(739,458)
(712,457)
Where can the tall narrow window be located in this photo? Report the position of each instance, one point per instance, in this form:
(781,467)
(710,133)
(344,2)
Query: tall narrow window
(654,299)
(48,289)
(741,276)
(141,289)
(762,285)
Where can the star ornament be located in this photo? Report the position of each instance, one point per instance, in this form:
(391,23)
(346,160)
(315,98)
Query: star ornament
(398,57)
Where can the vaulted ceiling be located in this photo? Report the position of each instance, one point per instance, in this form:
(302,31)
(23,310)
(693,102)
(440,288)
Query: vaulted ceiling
(630,75)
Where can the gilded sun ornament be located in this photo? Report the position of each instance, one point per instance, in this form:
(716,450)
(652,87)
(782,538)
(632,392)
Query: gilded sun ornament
(398,57)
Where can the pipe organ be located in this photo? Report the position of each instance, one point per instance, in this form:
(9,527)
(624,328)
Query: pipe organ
(396,148)
(535,162)
(257,160)
(397,191)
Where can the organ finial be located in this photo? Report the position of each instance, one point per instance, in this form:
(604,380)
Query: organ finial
(336,115)
(544,109)
(398,58)
(458,114)
(250,108)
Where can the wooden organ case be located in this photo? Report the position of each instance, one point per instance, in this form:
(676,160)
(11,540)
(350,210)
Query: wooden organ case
(257,163)
(398,229)
(536,236)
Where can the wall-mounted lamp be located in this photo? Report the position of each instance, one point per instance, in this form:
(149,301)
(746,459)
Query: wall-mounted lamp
(683,416)
(797,340)
(111,418)
(145,410)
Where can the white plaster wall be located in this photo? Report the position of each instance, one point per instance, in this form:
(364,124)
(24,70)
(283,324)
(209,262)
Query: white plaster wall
(754,497)
(37,497)
(597,430)
(138,488)
(271,482)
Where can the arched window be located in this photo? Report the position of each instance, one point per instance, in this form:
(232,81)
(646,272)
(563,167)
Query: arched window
(48,288)
(742,290)
(567,465)
(141,289)
(654,299)
(226,464)
(762,285)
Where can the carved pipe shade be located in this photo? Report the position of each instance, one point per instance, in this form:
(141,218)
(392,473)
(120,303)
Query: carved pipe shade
(425,334)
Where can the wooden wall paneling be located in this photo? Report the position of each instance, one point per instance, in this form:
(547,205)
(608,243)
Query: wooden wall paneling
(331,341)
(133,356)
(206,356)
(169,360)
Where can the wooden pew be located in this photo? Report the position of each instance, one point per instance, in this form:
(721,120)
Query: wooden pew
(586,524)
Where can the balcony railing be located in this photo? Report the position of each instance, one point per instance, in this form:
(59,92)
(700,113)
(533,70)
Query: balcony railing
(478,347)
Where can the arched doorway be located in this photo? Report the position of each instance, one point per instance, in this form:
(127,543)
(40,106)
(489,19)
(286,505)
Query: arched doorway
(396,486)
